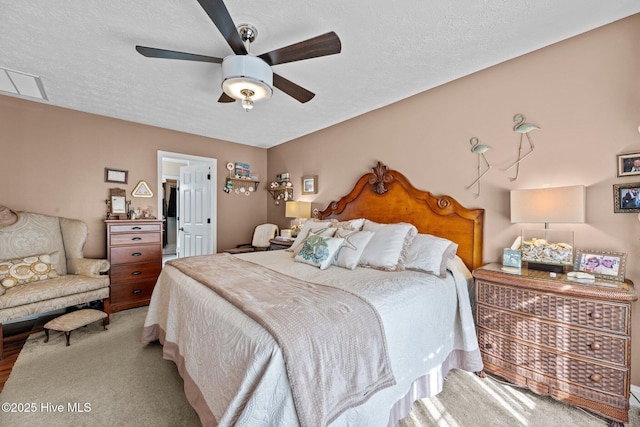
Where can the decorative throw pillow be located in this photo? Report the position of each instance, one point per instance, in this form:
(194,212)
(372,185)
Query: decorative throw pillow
(430,254)
(319,251)
(352,224)
(387,249)
(309,225)
(354,243)
(29,269)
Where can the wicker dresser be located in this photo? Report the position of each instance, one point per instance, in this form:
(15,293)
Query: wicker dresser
(134,249)
(558,337)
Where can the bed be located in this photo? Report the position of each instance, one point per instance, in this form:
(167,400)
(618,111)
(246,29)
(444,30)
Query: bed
(277,338)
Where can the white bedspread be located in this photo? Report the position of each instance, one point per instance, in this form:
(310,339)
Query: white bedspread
(234,371)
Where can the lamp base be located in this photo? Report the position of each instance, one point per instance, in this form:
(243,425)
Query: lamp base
(553,268)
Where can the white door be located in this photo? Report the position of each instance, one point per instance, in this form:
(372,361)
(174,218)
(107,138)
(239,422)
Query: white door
(194,211)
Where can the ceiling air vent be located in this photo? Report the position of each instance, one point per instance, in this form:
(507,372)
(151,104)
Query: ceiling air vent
(19,83)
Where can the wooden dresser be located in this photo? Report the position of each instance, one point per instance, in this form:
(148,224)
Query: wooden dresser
(557,336)
(134,249)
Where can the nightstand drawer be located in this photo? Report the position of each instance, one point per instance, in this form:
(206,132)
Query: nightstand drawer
(134,254)
(599,346)
(609,317)
(134,272)
(563,367)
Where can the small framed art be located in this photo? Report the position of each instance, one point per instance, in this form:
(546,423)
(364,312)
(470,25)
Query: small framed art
(115,175)
(628,164)
(309,184)
(602,264)
(511,258)
(626,198)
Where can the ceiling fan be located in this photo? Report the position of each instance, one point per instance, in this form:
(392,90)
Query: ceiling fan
(246,77)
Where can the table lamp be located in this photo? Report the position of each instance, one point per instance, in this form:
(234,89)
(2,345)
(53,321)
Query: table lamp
(297,210)
(548,250)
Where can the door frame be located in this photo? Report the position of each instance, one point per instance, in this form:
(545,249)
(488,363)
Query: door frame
(194,160)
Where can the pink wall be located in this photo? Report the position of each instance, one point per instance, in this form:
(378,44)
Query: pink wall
(583,93)
(53,162)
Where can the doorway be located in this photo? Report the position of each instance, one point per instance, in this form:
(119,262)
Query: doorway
(169,165)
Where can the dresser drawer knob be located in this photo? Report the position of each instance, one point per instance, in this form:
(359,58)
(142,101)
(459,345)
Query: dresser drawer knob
(136,273)
(136,291)
(136,254)
(136,238)
(595,378)
(136,228)
(594,346)
(595,315)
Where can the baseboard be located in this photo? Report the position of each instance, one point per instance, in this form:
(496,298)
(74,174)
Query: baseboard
(634,401)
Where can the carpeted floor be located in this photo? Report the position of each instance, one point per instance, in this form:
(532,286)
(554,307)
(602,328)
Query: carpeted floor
(107,378)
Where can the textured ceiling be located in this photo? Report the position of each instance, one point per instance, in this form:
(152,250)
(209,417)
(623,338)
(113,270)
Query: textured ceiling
(84,53)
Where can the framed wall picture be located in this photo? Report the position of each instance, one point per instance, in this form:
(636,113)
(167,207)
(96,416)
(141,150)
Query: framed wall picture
(115,175)
(142,190)
(628,164)
(309,184)
(602,264)
(626,198)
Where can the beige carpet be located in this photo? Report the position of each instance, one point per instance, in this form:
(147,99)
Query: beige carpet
(127,384)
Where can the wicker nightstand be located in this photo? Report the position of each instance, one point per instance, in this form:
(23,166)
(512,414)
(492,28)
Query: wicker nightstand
(558,337)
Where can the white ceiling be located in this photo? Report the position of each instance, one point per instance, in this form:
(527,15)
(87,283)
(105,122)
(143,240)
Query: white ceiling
(84,53)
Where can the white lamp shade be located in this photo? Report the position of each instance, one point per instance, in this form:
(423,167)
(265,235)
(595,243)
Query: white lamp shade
(557,205)
(298,210)
(241,72)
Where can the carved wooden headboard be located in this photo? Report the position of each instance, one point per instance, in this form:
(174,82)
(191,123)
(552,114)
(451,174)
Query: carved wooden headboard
(386,196)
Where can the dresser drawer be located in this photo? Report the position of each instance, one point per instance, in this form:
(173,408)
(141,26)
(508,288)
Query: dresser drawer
(134,254)
(128,228)
(587,374)
(584,342)
(134,238)
(132,292)
(609,317)
(135,272)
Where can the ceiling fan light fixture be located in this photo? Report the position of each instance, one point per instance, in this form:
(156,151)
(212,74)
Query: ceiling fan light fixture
(244,74)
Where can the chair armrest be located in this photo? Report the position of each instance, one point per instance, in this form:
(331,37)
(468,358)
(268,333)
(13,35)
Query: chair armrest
(87,267)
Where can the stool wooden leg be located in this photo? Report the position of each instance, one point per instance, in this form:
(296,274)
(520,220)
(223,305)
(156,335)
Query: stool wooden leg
(46,332)
(68,335)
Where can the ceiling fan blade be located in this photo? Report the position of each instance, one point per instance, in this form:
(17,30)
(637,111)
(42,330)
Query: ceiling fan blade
(152,52)
(225,98)
(325,44)
(293,90)
(219,14)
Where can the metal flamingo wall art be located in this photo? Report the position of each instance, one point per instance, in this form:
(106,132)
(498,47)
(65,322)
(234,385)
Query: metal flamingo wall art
(479,149)
(523,128)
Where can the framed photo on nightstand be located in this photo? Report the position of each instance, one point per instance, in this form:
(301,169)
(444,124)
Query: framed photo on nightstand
(511,258)
(602,264)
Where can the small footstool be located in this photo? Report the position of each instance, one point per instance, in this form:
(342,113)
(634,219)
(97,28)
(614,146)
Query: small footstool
(70,321)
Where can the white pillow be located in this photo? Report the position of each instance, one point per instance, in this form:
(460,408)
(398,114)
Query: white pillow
(319,251)
(430,254)
(353,247)
(310,224)
(388,247)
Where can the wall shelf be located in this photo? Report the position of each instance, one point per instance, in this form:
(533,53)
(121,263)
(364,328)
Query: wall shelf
(241,186)
(281,194)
